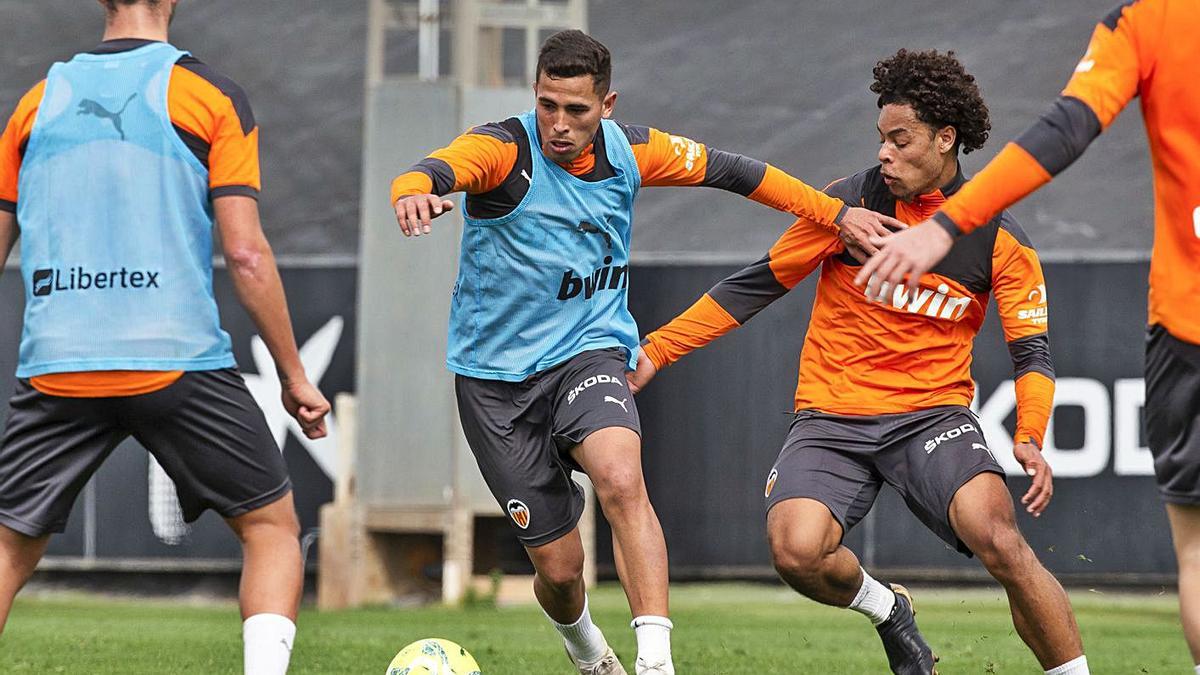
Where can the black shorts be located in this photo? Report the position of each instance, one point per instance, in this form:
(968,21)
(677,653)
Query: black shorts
(522,433)
(205,430)
(1173,414)
(842,461)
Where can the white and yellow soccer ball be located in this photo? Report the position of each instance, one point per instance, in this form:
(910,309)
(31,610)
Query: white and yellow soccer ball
(433,656)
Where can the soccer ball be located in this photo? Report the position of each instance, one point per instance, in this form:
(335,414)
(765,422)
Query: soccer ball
(433,656)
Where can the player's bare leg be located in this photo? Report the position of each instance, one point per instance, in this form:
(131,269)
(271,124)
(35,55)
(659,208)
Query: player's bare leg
(560,591)
(1185,531)
(271,586)
(558,583)
(612,458)
(981,514)
(806,549)
(19,556)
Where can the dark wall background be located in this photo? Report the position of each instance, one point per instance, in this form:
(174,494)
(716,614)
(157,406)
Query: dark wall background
(782,80)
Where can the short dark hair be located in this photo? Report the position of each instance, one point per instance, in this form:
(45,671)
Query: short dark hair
(571,53)
(940,91)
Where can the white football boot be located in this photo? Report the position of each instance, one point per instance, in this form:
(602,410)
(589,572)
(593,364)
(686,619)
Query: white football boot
(607,665)
(658,668)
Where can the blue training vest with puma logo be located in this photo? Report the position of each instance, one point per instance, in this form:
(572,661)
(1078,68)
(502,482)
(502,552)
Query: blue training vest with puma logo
(116,225)
(550,279)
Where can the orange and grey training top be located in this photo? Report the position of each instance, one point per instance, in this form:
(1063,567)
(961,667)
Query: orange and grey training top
(1143,48)
(542,274)
(488,160)
(895,352)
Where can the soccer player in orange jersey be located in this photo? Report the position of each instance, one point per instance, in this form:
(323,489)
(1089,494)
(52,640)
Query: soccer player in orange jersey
(1147,49)
(540,332)
(885,379)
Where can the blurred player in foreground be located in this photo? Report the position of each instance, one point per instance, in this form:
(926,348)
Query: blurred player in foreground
(885,379)
(112,171)
(1145,48)
(540,334)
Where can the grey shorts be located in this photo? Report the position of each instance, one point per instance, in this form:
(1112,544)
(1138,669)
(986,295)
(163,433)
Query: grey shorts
(522,433)
(205,430)
(1173,415)
(842,461)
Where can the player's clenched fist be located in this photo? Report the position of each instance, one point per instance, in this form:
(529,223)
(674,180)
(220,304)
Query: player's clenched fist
(415,212)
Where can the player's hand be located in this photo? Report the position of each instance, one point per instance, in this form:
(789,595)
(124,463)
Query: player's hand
(307,404)
(859,225)
(1038,497)
(645,372)
(903,257)
(415,212)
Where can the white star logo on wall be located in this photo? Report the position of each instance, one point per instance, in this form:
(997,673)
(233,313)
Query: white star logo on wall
(166,518)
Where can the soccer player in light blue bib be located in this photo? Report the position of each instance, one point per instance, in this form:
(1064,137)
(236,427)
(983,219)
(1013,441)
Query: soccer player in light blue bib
(541,337)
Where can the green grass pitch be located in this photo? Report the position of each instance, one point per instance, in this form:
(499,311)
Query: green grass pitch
(720,628)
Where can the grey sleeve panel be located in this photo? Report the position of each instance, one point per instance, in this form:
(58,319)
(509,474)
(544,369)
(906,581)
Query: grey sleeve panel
(439,172)
(747,291)
(1111,19)
(735,173)
(496,130)
(1061,134)
(1031,355)
(947,223)
(233,191)
(636,134)
(6,205)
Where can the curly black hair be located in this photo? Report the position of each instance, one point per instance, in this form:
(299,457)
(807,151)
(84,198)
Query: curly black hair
(940,91)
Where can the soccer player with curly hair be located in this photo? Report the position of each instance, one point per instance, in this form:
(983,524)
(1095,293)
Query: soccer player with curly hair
(885,379)
(1146,49)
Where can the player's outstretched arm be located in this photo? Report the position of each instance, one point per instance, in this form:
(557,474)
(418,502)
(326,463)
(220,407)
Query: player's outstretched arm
(1105,80)
(1020,290)
(260,290)
(8,235)
(737,298)
(475,162)
(668,160)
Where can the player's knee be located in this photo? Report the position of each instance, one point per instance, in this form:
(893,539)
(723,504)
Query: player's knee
(562,576)
(620,492)
(798,559)
(267,523)
(1003,551)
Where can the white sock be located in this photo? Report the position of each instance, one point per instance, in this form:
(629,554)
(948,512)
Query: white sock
(1077,666)
(585,642)
(1197,669)
(268,639)
(874,600)
(654,640)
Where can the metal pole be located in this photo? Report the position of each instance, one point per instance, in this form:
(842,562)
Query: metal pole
(89,520)
(429,35)
(378,13)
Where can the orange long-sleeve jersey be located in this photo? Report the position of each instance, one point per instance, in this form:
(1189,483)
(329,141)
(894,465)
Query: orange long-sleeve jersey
(1145,48)
(895,352)
(487,162)
(212,116)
